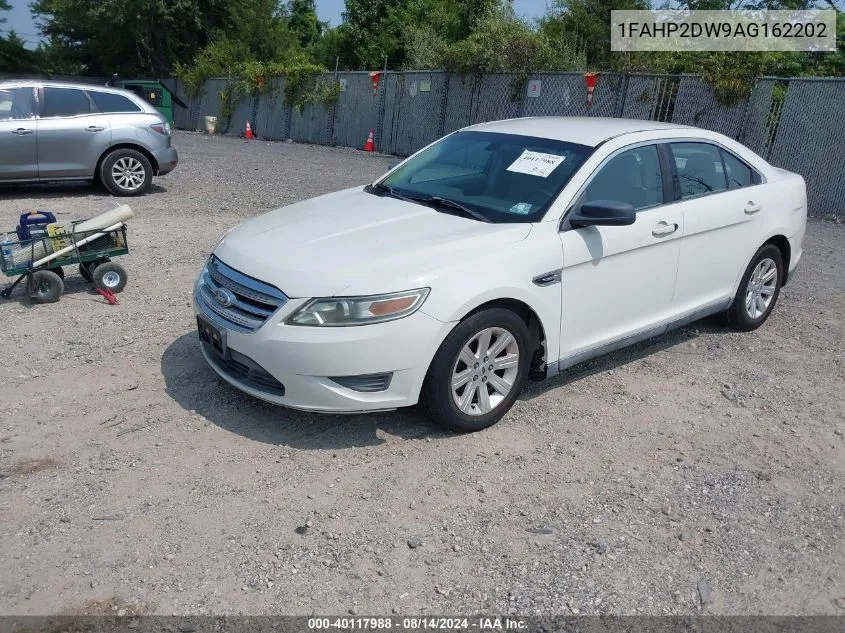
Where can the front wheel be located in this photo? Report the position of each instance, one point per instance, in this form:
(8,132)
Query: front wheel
(758,290)
(45,286)
(110,276)
(126,172)
(478,372)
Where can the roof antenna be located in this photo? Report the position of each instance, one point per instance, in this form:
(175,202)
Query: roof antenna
(111,81)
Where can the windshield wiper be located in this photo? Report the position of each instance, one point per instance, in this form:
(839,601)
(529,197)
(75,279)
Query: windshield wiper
(381,189)
(443,202)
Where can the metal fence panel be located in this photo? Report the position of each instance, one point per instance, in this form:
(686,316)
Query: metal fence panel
(209,102)
(804,144)
(459,102)
(497,97)
(412,111)
(639,97)
(271,117)
(244,111)
(356,111)
(311,125)
(761,118)
(696,105)
(565,94)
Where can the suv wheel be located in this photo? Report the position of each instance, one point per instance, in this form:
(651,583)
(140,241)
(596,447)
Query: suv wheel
(758,291)
(478,371)
(126,172)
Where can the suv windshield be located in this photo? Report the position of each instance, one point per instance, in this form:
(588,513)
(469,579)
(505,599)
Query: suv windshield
(488,176)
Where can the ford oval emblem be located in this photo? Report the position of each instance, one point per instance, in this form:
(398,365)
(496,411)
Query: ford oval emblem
(224,297)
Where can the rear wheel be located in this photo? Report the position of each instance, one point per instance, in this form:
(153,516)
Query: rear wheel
(45,286)
(86,269)
(126,172)
(110,276)
(758,291)
(478,371)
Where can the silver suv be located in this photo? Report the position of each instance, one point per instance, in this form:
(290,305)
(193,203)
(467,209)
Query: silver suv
(61,131)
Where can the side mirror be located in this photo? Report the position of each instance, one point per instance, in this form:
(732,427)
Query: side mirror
(603,213)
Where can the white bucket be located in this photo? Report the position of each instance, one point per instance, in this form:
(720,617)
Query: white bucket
(210,124)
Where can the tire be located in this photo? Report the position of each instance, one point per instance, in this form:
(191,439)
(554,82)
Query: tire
(45,286)
(59,271)
(126,172)
(756,297)
(110,276)
(456,409)
(86,269)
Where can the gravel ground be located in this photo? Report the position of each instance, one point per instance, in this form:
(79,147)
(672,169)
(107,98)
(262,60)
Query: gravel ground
(703,471)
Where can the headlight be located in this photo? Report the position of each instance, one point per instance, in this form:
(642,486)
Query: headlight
(345,311)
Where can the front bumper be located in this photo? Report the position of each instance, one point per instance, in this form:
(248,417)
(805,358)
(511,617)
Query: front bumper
(167,159)
(303,358)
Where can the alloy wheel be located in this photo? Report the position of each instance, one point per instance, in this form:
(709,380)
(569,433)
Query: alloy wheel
(485,371)
(761,288)
(128,173)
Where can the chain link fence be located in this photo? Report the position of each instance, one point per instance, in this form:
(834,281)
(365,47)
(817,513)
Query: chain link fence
(796,123)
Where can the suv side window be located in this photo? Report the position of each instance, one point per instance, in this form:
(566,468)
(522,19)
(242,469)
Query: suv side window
(60,102)
(16,104)
(700,169)
(108,102)
(633,176)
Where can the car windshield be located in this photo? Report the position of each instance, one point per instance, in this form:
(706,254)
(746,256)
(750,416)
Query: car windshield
(488,176)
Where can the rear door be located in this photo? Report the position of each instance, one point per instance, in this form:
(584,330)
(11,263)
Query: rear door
(723,202)
(72,134)
(18,127)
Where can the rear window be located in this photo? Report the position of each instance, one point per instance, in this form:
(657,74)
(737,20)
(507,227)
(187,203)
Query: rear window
(108,102)
(59,102)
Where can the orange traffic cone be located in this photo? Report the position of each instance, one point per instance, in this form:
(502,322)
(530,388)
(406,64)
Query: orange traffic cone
(248,135)
(370,145)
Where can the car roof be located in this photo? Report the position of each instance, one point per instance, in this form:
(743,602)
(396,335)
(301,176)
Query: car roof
(62,84)
(590,131)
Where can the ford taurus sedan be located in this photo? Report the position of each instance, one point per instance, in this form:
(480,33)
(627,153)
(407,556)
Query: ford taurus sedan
(505,250)
(57,131)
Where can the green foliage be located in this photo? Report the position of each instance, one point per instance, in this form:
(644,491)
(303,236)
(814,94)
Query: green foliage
(501,42)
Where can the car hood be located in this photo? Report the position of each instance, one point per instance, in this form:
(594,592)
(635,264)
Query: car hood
(353,242)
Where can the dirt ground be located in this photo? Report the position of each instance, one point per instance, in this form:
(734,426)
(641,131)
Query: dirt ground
(703,471)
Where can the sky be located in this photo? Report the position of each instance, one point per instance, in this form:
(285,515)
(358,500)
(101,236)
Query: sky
(20,19)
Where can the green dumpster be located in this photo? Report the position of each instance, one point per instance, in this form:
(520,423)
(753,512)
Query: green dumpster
(154,92)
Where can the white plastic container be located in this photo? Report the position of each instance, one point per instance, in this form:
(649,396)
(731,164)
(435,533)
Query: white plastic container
(210,124)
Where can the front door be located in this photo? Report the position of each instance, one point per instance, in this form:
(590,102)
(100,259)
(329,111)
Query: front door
(618,281)
(72,135)
(18,127)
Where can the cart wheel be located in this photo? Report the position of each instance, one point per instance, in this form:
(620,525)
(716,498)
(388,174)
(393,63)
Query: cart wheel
(110,276)
(86,269)
(59,271)
(45,286)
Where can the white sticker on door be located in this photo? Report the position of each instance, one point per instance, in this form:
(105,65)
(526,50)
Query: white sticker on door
(536,163)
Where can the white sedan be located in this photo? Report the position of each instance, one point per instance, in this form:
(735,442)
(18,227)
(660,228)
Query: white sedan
(505,250)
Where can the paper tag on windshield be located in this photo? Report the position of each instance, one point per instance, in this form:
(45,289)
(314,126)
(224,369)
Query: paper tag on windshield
(536,163)
(522,208)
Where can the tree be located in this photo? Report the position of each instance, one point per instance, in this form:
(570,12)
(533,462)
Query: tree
(144,37)
(587,22)
(303,22)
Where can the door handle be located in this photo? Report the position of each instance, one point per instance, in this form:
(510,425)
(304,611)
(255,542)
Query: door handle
(664,229)
(751,208)
(94,128)
(22,131)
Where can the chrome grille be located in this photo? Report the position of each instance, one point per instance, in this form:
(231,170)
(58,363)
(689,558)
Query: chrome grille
(251,302)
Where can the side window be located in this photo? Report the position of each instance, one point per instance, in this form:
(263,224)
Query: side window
(739,174)
(16,104)
(108,102)
(60,102)
(633,176)
(699,168)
